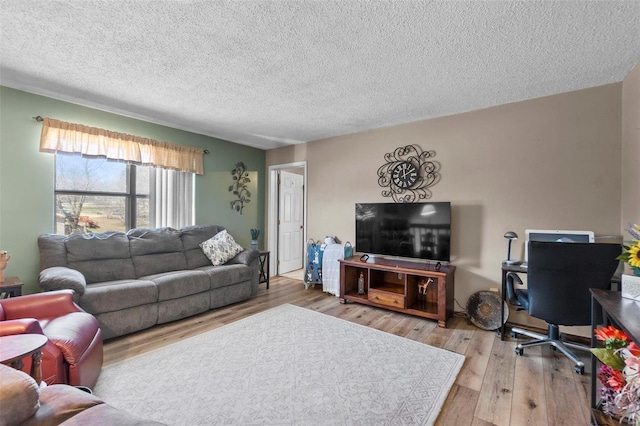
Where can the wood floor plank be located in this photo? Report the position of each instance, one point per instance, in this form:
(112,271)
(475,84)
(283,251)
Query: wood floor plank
(461,335)
(529,404)
(584,381)
(387,322)
(421,331)
(405,325)
(561,389)
(485,392)
(477,357)
(459,407)
(438,337)
(496,394)
(479,422)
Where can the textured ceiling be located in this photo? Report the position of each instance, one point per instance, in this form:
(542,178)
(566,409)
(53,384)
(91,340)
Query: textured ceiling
(272,73)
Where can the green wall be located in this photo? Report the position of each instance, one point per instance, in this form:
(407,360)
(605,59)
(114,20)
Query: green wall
(27,176)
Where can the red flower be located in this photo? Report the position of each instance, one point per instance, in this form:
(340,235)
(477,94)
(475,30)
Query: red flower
(605,333)
(616,381)
(634,349)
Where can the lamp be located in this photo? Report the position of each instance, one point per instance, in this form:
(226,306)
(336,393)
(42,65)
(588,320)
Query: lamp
(428,210)
(510,235)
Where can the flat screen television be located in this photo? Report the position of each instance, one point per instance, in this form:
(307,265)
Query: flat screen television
(411,230)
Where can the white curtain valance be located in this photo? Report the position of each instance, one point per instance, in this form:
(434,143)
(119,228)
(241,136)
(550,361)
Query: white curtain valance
(60,136)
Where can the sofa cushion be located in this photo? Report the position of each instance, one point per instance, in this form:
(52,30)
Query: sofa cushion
(19,396)
(150,241)
(220,248)
(52,250)
(175,309)
(106,245)
(192,237)
(100,257)
(245,257)
(129,320)
(159,263)
(173,285)
(97,271)
(115,295)
(222,276)
(156,251)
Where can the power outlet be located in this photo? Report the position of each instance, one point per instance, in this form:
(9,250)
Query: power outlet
(494,289)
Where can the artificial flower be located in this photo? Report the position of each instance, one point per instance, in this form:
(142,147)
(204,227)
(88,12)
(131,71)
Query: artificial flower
(616,380)
(619,374)
(634,255)
(632,368)
(612,337)
(609,357)
(631,249)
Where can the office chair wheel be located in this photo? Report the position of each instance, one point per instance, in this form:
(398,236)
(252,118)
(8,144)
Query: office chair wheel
(513,334)
(579,369)
(519,351)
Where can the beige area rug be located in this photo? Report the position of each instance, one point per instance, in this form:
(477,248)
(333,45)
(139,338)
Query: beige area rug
(285,366)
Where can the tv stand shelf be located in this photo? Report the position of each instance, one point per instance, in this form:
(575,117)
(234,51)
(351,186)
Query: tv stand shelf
(403,286)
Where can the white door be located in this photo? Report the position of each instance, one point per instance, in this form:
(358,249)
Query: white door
(290,222)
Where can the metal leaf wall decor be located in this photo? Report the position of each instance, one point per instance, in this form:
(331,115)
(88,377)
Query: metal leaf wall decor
(239,187)
(428,174)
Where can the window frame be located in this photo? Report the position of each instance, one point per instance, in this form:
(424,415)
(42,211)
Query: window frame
(130,196)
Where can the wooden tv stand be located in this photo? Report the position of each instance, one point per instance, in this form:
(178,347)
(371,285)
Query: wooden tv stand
(399,286)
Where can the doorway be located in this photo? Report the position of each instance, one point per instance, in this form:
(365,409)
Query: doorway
(287,216)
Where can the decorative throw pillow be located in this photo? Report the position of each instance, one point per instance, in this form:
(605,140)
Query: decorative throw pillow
(220,248)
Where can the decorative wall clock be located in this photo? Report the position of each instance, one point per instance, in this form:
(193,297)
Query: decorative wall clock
(408,173)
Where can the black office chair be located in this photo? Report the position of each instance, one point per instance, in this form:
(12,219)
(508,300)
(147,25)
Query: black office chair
(559,277)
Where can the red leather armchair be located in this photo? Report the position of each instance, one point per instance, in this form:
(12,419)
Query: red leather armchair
(73,354)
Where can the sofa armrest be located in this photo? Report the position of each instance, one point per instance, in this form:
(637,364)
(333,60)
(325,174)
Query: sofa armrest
(40,305)
(61,277)
(20,326)
(245,257)
(18,396)
(61,403)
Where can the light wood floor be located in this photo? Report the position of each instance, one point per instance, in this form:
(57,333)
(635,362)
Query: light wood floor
(494,387)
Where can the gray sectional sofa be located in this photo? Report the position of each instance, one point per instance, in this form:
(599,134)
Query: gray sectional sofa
(132,281)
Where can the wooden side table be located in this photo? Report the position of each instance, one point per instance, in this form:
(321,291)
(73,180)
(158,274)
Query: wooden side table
(263,267)
(10,287)
(14,348)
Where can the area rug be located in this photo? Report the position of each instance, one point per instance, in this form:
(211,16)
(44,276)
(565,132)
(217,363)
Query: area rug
(285,366)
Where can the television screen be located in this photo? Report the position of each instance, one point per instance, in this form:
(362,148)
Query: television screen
(416,230)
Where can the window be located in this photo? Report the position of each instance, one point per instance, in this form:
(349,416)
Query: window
(122,181)
(97,195)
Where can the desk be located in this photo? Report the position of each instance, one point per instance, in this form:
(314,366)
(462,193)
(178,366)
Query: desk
(16,347)
(506,268)
(622,313)
(263,267)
